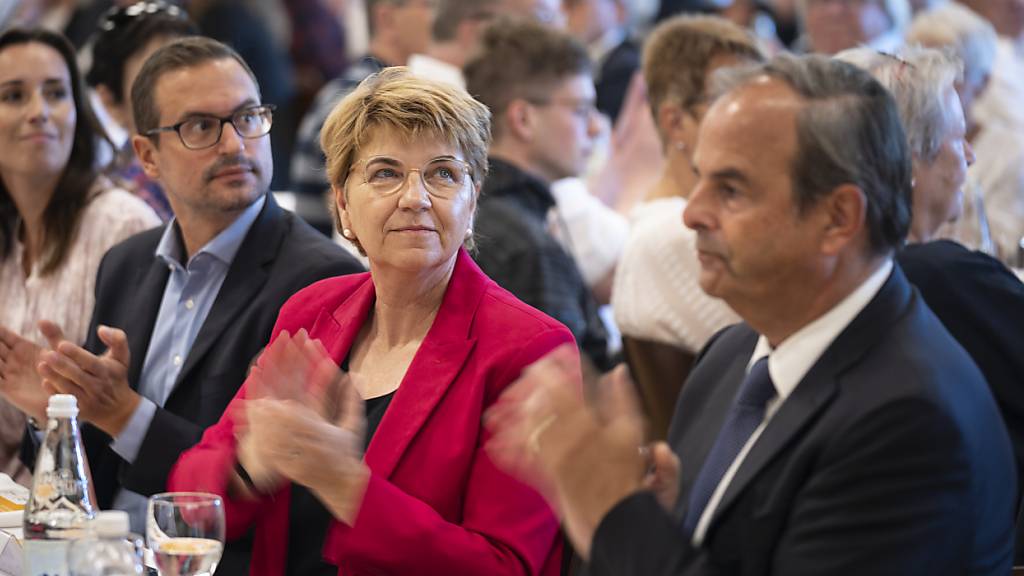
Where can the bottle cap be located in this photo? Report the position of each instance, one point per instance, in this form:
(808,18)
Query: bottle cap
(62,406)
(110,523)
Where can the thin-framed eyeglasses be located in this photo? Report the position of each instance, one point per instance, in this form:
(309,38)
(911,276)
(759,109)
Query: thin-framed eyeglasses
(204,130)
(442,177)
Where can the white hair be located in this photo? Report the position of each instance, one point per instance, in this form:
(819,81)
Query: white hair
(956,27)
(918,79)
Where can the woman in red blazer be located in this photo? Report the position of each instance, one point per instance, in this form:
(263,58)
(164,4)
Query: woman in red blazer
(429,343)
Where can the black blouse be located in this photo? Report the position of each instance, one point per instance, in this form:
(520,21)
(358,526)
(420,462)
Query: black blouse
(308,519)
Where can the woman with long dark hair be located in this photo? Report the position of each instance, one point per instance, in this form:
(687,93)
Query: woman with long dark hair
(58,216)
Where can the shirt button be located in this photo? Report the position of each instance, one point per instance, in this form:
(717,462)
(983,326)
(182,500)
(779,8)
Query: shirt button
(177,360)
(190,304)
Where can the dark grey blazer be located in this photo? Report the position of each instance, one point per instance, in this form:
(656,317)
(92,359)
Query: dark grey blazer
(889,458)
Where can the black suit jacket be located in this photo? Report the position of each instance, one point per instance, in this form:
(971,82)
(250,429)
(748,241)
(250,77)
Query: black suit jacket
(888,458)
(280,255)
(611,82)
(981,303)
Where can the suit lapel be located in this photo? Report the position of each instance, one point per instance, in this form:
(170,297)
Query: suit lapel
(246,277)
(820,383)
(433,369)
(149,286)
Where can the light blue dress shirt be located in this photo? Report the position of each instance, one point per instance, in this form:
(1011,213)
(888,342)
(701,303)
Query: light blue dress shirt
(188,297)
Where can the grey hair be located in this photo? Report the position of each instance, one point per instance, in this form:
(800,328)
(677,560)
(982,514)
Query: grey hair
(958,28)
(848,132)
(918,78)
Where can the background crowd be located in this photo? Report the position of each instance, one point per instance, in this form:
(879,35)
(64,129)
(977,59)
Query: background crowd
(190,193)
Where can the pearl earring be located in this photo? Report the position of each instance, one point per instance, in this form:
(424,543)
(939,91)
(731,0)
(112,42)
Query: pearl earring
(346,233)
(469,233)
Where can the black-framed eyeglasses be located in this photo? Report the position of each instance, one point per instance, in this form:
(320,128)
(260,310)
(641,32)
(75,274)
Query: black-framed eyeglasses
(203,131)
(121,15)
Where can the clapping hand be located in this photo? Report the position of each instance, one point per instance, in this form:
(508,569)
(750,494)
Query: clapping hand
(304,422)
(583,457)
(99,382)
(20,384)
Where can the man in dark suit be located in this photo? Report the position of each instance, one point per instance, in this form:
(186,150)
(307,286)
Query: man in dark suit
(838,430)
(182,311)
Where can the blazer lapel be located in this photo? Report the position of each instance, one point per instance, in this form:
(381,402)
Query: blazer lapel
(245,279)
(821,383)
(433,369)
(149,288)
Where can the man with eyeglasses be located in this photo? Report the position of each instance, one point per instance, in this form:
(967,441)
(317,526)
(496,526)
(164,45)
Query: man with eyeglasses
(182,311)
(537,82)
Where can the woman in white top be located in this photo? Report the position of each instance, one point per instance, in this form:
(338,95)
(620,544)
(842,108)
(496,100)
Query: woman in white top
(58,215)
(656,295)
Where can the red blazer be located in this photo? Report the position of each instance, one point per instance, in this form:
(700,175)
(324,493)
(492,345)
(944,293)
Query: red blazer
(435,503)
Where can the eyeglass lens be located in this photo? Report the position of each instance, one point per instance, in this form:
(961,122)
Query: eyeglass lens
(443,177)
(205,131)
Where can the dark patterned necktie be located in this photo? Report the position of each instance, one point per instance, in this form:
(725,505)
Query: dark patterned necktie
(745,415)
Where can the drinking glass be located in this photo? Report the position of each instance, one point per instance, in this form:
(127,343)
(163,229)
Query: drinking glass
(185,531)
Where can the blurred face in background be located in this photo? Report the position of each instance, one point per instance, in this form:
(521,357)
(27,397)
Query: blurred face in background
(564,126)
(412,21)
(37,110)
(544,11)
(836,25)
(938,185)
(589,20)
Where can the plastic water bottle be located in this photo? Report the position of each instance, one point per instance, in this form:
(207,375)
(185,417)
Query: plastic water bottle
(110,550)
(61,501)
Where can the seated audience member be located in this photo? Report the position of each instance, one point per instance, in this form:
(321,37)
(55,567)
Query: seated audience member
(656,295)
(127,36)
(602,26)
(997,175)
(459,26)
(977,299)
(398,29)
(840,429)
(1000,104)
(830,26)
(396,482)
(182,310)
(536,82)
(58,216)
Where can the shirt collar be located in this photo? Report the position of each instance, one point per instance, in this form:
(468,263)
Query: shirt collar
(223,246)
(794,357)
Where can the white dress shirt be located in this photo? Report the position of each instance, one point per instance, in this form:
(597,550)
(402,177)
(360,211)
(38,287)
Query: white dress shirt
(789,363)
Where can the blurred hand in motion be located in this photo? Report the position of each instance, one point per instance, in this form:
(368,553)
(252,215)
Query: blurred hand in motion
(20,383)
(584,457)
(305,423)
(663,475)
(100,383)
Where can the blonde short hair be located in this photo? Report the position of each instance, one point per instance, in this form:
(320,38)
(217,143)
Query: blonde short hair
(678,51)
(412,106)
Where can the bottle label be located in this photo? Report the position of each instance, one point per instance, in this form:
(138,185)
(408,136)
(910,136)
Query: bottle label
(46,557)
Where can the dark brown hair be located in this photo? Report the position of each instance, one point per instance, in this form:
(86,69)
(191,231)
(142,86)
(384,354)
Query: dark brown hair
(182,53)
(521,59)
(62,214)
